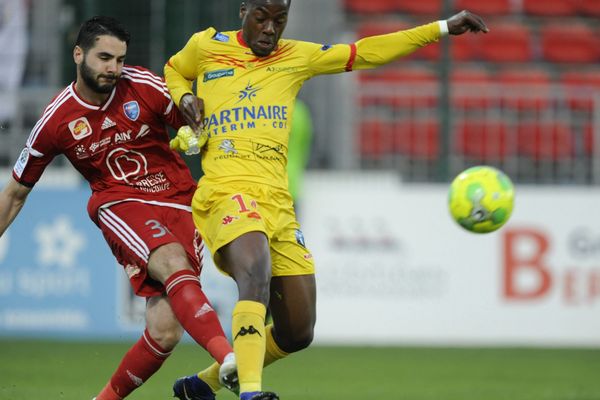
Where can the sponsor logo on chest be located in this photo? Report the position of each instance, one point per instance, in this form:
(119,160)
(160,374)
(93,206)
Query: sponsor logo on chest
(80,128)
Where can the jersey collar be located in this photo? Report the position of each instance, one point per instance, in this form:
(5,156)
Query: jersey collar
(84,103)
(241,41)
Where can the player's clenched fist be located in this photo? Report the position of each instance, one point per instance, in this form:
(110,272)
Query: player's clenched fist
(466,21)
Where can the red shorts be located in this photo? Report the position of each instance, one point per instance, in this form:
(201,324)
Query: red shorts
(133,229)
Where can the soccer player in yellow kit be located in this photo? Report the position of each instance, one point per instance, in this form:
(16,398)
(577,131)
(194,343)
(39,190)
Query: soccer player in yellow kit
(247,82)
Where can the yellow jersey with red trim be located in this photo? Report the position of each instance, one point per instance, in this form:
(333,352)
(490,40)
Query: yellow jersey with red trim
(249,100)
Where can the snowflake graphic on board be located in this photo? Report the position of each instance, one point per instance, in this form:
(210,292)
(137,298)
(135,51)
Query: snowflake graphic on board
(59,242)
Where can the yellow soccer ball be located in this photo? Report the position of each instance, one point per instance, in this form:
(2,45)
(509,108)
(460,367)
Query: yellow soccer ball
(481,199)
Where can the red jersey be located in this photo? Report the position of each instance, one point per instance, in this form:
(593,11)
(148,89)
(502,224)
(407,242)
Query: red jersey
(120,147)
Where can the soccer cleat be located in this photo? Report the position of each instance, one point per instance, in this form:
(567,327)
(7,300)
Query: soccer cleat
(259,396)
(192,388)
(228,374)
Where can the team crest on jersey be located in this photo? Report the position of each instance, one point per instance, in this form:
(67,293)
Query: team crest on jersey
(221,37)
(21,162)
(132,110)
(80,128)
(325,47)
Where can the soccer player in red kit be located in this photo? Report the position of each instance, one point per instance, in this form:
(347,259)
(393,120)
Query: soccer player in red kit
(111,125)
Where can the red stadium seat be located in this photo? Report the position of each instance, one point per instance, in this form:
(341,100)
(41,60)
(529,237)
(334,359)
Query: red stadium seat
(418,139)
(526,88)
(484,7)
(506,43)
(580,87)
(465,47)
(375,139)
(570,43)
(484,140)
(428,7)
(409,81)
(369,6)
(399,75)
(550,7)
(379,28)
(471,87)
(546,140)
(589,7)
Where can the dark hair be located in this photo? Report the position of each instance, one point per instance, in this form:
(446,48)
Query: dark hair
(98,26)
(253,2)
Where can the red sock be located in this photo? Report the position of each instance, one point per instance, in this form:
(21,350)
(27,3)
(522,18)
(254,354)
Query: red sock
(196,315)
(142,360)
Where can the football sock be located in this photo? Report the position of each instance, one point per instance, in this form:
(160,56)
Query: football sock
(272,351)
(211,377)
(248,330)
(196,315)
(142,360)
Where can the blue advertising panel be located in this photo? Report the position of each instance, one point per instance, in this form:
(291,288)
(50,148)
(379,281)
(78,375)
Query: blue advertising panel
(57,274)
(58,277)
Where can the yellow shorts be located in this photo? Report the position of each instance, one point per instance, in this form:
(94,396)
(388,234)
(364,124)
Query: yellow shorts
(224,212)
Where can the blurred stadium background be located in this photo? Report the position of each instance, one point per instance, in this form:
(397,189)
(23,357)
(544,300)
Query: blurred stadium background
(451,315)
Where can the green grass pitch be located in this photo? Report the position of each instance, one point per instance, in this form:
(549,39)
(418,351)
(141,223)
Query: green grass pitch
(76,371)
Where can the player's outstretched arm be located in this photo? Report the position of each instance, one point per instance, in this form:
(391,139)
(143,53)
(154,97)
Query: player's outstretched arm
(466,21)
(12,198)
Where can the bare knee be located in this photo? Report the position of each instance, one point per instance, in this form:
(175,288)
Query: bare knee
(166,337)
(161,323)
(296,340)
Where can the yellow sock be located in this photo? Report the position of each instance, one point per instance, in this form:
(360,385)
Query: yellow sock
(211,376)
(248,331)
(272,352)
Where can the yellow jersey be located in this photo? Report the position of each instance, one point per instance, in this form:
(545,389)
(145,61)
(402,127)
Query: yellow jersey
(249,100)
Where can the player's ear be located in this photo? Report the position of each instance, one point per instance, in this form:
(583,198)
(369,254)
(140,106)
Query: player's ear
(78,55)
(243,10)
